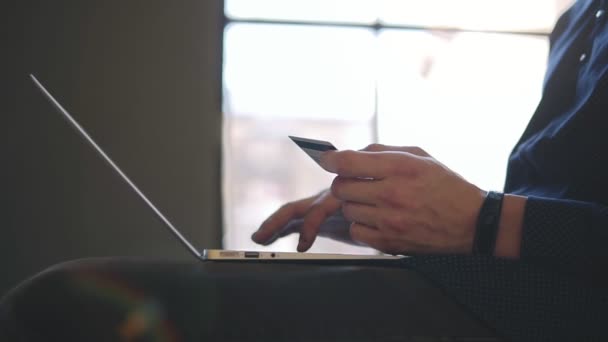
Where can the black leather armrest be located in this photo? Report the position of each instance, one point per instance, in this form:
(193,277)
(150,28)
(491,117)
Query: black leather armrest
(137,299)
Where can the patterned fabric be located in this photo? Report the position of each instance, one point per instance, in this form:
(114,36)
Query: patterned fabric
(557,291)
(522,301)
(570,235)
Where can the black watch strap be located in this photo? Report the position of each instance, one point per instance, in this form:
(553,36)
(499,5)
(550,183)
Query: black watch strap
(487,224)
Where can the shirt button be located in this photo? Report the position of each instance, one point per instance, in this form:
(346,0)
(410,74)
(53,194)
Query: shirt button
(600,13)
(582,57)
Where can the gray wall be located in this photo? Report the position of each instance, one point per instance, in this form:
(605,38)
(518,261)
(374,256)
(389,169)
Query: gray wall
(144,78)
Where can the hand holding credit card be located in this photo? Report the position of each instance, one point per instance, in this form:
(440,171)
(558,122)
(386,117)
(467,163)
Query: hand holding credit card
(314,148)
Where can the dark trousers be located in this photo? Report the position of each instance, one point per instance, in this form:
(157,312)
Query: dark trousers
(149,300)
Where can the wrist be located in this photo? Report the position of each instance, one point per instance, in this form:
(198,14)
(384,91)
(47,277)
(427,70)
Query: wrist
(508,239)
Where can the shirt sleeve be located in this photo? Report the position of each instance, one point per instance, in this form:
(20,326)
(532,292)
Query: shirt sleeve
(566,234)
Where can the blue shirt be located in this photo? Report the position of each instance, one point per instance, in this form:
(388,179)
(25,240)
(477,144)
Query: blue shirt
(557,291)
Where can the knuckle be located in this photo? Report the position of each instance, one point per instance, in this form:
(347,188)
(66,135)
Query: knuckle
(329,204)
(390,196)
(408,170)
(319,210)
(315,211)
(401,165)
(418,151)
(374,147)
(415,150)
(325,208)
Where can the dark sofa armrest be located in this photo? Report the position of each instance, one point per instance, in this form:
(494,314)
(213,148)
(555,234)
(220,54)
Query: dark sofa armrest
(138,299)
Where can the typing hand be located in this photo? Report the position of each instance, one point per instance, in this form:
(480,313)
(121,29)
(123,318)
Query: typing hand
(314,216)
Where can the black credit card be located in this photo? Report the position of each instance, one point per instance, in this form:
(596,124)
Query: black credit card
(314,148)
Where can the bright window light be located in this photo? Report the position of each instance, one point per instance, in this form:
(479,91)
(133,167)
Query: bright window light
(457,78)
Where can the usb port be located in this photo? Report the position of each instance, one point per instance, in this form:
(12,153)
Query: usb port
(254,255)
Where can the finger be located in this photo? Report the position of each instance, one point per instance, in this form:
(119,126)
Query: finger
(293,226)
(367,235)
(337,228)
(324,207)
(334,227)
(362,164)
(277,221)
(372,237)
(415,150)
(362,213)
(358,190)
(355,164)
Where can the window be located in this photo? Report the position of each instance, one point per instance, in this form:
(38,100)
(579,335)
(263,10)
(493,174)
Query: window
(458,78)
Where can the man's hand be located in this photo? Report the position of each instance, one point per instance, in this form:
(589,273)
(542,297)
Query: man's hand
(403,201)
(312,216)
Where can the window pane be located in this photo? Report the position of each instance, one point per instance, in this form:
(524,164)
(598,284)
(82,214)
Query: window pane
(509,15)
(351,11)
(285,71)
(464,97)
(283,80)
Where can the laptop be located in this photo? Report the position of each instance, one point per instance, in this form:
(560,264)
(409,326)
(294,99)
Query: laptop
(204,254)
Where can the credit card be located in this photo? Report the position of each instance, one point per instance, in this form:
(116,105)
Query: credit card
(314,148)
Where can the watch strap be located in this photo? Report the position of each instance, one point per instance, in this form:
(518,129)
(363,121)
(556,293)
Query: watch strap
(487,224)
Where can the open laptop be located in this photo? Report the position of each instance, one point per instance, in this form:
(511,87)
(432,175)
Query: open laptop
(205,254)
